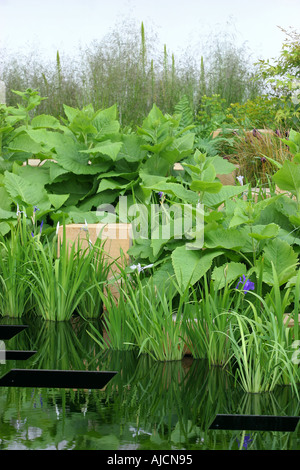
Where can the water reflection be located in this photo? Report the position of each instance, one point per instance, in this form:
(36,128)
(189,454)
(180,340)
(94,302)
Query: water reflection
(147,405)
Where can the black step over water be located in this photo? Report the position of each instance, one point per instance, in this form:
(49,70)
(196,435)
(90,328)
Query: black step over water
(9,331)
(255,423)
(12,355)
(56,378)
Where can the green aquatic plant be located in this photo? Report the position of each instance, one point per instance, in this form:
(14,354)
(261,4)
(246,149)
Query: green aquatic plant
(206,321)
(262,344)
(155,319)
(58,277)
(15,257)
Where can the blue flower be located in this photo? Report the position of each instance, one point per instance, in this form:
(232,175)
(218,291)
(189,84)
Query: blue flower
(246,441)
(41,226)
(35,208)
(247,285)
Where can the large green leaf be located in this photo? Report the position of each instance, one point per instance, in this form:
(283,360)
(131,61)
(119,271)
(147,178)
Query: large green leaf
(190,265)
(288,177)
(105,121)
(226,192)
(70,157)
(175,189)
(57,200)
(5,215)
(131,149)
(24,143)
(107,183)
(282,255)
(111,149)
(44,121)
(179,148)
(222,166)
(227,273)
(224,238)
(263,232)
(79,217)
(207,186)
(22,191)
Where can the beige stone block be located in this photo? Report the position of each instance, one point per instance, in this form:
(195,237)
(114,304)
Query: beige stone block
(290,319)
(117,241)
(116,237)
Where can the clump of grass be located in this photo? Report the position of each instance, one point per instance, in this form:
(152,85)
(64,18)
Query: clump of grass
(91,303)
(16,252)
(262,344)
(206,322)
(251,151)
(59,279)
(143,317)
(155,319)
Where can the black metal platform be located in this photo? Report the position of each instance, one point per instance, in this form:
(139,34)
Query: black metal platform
(255,422)
(9,331)
(56,378)
(12,355)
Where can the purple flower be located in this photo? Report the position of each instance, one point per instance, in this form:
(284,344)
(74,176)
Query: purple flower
(247,285)
(246,441)
(263,159)
(32,234)
(160,194)
(41,226)
(35,208)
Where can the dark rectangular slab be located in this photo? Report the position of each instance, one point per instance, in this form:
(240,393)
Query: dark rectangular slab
(9,331)
(12,355)
(255,422)
(56,378)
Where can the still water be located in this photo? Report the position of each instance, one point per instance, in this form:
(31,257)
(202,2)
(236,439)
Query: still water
(147,405)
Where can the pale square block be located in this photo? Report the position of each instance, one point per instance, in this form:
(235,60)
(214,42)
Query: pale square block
(117,236)
(118,240)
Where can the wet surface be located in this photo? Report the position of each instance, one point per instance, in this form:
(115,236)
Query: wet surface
(146,405)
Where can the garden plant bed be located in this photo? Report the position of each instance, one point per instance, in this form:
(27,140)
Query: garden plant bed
(146,254)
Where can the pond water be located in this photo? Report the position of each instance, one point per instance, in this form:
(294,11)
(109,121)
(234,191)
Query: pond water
(147,405)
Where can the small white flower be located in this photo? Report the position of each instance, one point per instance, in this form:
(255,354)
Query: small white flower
(57,228)
(240,180)
(136,432)
(139,267)
(20,212)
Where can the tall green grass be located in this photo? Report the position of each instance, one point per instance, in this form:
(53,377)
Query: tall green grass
(262,344)
(15,257)
(128,68)
(144,317)
(206,322)
(60,281)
